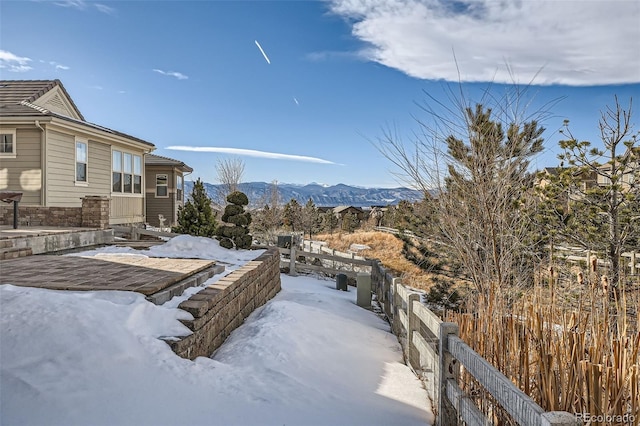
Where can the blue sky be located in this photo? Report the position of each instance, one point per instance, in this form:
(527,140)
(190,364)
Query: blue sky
(334,74)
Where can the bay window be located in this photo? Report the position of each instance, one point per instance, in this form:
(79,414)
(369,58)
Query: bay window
(126,172)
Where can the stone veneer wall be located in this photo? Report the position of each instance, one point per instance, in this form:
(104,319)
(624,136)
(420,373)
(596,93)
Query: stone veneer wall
(94,213)
(222,307)
(41,216)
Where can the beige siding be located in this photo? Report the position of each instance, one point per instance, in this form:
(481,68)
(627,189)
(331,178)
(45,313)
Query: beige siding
(62,190)
(24,173)
(125,210)
(99,168)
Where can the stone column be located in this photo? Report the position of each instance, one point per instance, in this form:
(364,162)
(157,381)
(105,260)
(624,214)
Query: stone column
(95,211)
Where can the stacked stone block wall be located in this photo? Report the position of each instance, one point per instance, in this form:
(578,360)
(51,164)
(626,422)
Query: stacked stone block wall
(41,216)
(222,307)
(94,213)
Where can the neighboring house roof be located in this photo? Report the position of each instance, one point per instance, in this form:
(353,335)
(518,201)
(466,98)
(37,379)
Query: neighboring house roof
(158,160)
(340,209)
(19,98)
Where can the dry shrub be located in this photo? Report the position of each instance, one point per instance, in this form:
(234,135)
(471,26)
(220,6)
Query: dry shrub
(578,360)
(385,247)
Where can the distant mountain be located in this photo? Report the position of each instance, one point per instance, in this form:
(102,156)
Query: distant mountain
(322,195)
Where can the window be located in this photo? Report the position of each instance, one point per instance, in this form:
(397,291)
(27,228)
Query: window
(179,187)
(81,161)
(117,171)
(8,143)
(137,174)
(126,173)
(162,186)
(128,176)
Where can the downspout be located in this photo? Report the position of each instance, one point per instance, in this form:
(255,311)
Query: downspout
(43,164)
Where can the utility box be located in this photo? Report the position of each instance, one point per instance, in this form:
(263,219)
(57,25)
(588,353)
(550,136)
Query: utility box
(363,298)
(284,241)
(341,282)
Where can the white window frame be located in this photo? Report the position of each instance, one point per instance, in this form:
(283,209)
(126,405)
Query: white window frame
(132,172)
(179,188)
(166,185)
(86,162)
(113,170)
(14,144)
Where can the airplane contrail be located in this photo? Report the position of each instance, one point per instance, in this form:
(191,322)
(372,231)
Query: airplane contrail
(262,51)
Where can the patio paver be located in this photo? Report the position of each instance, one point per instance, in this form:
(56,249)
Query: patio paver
(146,275)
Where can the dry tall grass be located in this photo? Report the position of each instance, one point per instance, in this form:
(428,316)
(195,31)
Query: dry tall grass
(385,247)
(583,360)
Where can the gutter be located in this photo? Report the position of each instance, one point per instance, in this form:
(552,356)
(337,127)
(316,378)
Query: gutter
(43,164)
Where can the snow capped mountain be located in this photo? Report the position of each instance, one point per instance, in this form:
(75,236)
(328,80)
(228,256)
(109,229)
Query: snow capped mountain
(322,195)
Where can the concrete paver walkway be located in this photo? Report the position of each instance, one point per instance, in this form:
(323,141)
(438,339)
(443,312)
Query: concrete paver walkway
(142,274)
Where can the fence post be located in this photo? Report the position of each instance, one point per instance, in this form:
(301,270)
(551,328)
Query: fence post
(396,305)
(633,263)
(386,293)
(292,261)
(449,369)
(559,418)
(363,289)
(414,324)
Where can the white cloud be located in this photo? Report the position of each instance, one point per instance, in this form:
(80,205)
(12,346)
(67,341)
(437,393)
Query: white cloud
(82,5)
(588,42)
(14,63)
(58,66)
(104,8)
(177,75)
(75,4)
(251,153)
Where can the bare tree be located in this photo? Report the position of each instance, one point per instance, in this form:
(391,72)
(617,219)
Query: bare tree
(474,158)
(269,218)
(229,173)
(603,214)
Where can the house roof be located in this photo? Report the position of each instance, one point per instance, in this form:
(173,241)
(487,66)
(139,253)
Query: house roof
(17,99)
(340,209)
(158,160)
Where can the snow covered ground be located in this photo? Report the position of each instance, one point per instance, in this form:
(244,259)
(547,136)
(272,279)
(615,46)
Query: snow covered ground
(310,356)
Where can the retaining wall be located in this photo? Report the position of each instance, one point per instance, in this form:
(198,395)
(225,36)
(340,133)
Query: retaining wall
(222,307)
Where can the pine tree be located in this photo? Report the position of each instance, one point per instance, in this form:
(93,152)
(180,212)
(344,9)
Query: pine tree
(196,217)
(349,222)
(310,218)
(595,201)
(329,221)
(292,214)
